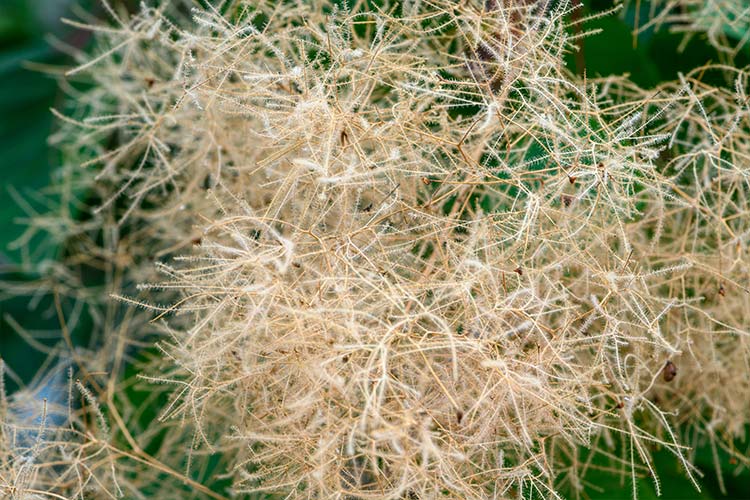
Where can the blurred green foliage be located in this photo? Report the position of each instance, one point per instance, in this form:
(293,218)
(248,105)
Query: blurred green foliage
(27,163)
(25,99)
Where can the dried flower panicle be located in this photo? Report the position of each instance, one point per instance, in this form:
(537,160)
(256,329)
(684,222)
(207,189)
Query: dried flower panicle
(400,266)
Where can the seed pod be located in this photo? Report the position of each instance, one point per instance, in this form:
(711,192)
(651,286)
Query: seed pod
(669,372)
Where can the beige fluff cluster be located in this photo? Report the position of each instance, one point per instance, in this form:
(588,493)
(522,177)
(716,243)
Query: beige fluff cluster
(406,253)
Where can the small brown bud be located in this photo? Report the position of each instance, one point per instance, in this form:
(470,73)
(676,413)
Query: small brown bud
(722,290)
(519,271)
(669,372)
(425,181)
(459,416)
(572,179)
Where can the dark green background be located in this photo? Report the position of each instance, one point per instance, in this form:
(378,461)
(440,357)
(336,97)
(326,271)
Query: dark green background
(27,163)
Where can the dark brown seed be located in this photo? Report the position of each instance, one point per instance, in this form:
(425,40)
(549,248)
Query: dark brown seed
(425,181)
(296,264)
(196,240)
(519,271)
(485,52)
(722,290)
(345,358)
(669,372)
(459,416)
(150,82)
(620,404)
(572,179)
(566,199)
